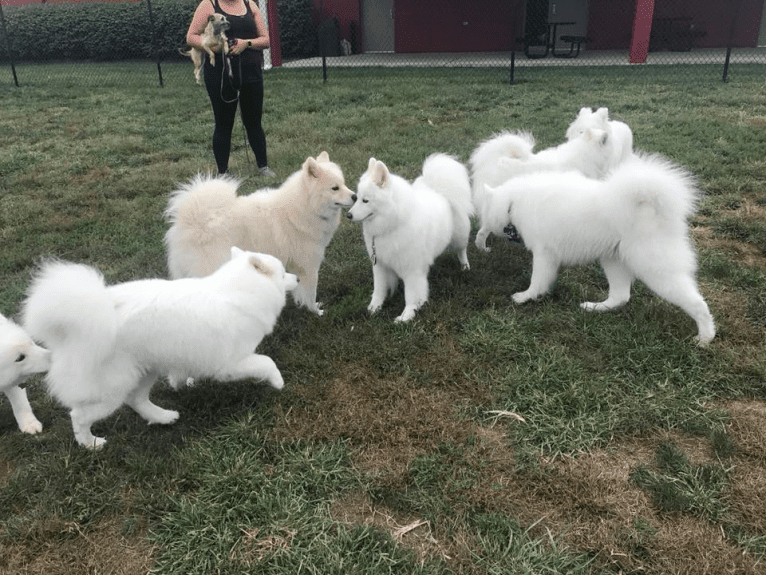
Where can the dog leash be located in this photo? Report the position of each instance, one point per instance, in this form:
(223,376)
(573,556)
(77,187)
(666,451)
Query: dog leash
(227,64)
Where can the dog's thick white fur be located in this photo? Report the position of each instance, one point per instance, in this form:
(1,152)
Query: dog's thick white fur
(294,223)
(620,133)
(591,152)
(634,223)
(20,357)
(110,344)
(406,226)
(213,38)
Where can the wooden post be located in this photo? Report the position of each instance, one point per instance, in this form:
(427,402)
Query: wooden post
(642,29)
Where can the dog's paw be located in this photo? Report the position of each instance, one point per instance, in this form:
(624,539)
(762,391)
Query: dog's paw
(317,309)
(592,306)
(95,444)
(601,306)
(406,316)
(276,381)
(703,341)
(522,297)
(166,417)
(465,267)
(373,308)
(481,245)
(31,425)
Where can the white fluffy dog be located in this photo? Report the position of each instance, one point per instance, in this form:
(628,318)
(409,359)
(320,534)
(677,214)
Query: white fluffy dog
(595,145)
(294,223)
(406,226)
(110,344)
(634,223)
(619,132)
(20,357)
(590,153)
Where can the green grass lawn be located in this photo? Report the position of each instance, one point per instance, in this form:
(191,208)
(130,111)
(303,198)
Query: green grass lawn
(481,438)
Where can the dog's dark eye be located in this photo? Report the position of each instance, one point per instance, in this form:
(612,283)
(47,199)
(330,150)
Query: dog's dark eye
(365,201)
(21,357)
(335,188)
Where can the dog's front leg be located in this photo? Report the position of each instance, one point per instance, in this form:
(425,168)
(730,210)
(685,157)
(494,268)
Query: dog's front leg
(22,411)
(257,366)
(415,295)
(384,282)
(545,269)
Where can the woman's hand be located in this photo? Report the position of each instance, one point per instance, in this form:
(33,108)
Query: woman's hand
(238,46)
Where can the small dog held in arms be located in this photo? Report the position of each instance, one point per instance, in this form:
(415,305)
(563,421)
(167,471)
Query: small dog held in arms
(213,38)
(634,223)
(294,223)
(20,357)
(406,226)
(110,344)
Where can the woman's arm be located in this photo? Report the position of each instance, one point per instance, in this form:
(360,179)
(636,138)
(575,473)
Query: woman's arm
(198,24)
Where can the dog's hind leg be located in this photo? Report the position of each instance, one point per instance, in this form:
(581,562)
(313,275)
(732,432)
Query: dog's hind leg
(681,290)
(256,366)
(22,411)
(141,404)
(481,239)
(545,269)
(84,416)
(620,279)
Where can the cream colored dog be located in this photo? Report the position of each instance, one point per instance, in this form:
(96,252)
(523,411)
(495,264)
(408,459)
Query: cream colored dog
(294,223)
(213,37)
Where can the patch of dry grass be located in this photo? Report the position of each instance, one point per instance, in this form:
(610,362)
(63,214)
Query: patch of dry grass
(65,548)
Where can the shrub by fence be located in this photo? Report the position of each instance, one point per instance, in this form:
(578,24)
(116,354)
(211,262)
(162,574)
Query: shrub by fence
(109,31)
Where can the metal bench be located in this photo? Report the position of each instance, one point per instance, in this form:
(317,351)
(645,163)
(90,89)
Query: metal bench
(574,46)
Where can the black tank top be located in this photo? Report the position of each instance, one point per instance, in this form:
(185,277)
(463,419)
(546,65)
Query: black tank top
(249,62)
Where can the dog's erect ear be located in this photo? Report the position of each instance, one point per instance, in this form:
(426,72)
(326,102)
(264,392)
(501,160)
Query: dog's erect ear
(235,251)
(602,115)
(261,266)
(585,111)
(323,157)
(379,174)
(312,169)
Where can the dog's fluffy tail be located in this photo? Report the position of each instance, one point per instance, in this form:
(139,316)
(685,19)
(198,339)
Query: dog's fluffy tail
(651,180)
(484,161)
(70,311)
(197,212)
(449,177)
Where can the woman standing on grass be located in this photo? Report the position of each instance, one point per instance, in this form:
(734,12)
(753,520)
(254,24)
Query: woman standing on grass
(248,36)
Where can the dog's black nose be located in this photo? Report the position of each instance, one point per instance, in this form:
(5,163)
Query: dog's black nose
(353,198)
(349,216)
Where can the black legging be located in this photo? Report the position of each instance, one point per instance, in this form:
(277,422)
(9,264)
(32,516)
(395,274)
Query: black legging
(225,111)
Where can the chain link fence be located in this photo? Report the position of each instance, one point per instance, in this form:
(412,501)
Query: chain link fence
(518,39)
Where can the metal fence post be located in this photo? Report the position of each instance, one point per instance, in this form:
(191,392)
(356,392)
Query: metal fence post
(154,40)
(732,30)
(8,45)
